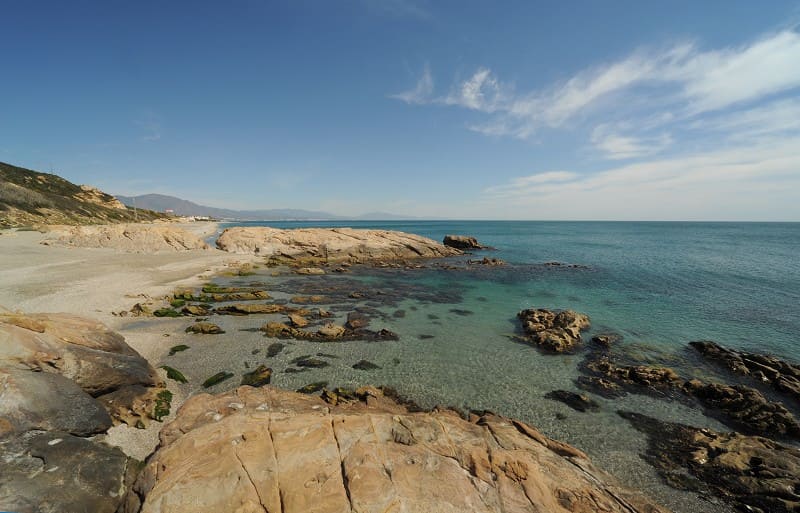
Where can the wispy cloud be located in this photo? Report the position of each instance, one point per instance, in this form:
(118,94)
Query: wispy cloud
(421,93)
(150,124)
(681,79)
(616,145)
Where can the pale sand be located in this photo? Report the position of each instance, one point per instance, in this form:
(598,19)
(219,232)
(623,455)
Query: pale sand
(96,282)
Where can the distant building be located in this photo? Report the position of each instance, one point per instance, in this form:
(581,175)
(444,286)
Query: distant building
(169,212)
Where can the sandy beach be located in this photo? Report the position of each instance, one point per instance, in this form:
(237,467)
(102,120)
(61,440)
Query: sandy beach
(96,283)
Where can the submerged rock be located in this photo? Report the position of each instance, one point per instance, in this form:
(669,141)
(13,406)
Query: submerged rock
(637,377)
(558,332)
(752,473)
(783,376)
(217,378)
(365,365)
(274,349)
(312,388)
(282,451)
(206,328)
(258,377)
(606,339)
(575,401)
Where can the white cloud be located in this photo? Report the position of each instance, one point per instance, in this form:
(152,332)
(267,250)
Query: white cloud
(618,146)
(681,81)
(738,182)
(779,116)
(421,93)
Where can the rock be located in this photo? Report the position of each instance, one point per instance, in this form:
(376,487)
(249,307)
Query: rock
(356,321)
(606,339)
(297,320)
(365,365)
(314,363)
(166,312)
(488,262)
(206,328)
(196,310)
(174,374)
(47,402)
(80,349)
(258,377)
(636,377)
(783,376)
(331,331)
(745,409)
(750,472)
(557,332)
(327,245)
(462,312)
(600,386)
(462,242)
(177,349)
(55,471)
(258,308)
(217,379)
(309,271)
(312,388)
(274,349)
(283,451)
(575,401)
(137,238)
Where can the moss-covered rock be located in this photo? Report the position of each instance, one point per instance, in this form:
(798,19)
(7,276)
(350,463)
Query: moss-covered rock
(174,374)
(217,379)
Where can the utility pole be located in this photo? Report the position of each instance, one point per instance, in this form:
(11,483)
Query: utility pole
(135,212)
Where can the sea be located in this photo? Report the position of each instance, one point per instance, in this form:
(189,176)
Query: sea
(659,285)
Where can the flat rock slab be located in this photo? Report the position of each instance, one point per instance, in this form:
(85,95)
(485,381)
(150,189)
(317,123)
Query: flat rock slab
(265,449)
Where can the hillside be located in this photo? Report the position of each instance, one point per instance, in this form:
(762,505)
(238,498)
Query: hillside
(29,198)
(181,207)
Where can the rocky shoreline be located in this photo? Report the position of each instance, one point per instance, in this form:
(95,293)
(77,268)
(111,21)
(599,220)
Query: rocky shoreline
(371,451)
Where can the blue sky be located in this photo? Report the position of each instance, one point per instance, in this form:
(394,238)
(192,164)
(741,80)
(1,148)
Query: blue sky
(466,109)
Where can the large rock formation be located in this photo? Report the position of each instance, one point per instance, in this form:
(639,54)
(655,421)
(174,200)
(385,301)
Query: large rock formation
(258,450)
(554,331)
(137,238)
(754,474)
(326,245)
(63,378)
(783,376)
(462,242)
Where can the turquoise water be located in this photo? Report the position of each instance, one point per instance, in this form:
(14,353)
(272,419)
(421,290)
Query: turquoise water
(660,285)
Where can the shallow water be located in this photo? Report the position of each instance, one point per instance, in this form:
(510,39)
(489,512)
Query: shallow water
(660,285)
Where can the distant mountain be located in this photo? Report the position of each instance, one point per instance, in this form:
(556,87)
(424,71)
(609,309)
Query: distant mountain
(29,198)
(181,207)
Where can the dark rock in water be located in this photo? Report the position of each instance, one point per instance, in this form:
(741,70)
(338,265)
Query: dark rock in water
(462,242)
(356,321)
(488,262)
(386,335)
(177,349)
(558,332)
(47,401)
(167,312)
(274,349)
(600,386)
(461,312)
(255,351)
(258,377)
(314,363)
(206,328)
(292,370)
(745,409)
(399,314)
(55,472)
(752,473)
(606,339)
(174,374)
(425,337)
(217,378)
(433,317)
(575,401)
(327,355)
(783,376)
(313,387)
(365,365)
(560,416)
(396,361)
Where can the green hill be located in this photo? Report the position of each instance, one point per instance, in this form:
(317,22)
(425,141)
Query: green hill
(29,198)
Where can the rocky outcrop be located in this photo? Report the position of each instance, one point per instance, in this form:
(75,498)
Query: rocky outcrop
(632,377)
(328,245)
(63,378)
(256,450)
(783,376)
(745,408)
(558,332)
(135,238)
(462,242)
(753,474)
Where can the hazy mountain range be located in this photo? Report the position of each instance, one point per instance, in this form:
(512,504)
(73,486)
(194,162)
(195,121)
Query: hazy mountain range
(182,207)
